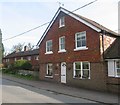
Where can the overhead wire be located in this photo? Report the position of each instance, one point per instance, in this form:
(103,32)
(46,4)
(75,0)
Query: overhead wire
(47,22)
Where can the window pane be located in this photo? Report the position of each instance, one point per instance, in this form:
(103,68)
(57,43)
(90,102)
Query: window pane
(77,73)
(62,46)
(79,44)
(118,64)
(118,72)
(62,21)
(78,65)
(49,46)
(85,74)
(49,70)
(81,39)
(85,65)
(83,43)
(62,43)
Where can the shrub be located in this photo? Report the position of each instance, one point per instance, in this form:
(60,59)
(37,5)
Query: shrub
(22,64)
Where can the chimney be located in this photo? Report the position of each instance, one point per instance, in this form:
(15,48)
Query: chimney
(26,48)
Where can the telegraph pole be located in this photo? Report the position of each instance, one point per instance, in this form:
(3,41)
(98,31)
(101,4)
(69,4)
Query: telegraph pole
(1,47)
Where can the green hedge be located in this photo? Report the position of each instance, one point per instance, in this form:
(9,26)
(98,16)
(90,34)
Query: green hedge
(22,64)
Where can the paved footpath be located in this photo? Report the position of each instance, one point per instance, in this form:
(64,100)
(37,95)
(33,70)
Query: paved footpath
(101,97)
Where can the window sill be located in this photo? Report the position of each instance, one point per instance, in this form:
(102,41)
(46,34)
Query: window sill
(81,78)
(61,26)
(49,52)
(117,76)
(61,51)
(49,76)
(82,48)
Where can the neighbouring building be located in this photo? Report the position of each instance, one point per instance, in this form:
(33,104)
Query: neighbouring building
(72,51)
(32,56)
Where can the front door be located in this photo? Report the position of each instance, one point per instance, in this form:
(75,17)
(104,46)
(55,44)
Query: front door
(63,72)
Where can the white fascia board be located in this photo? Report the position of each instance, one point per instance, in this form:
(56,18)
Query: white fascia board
(83,21)
(49,26)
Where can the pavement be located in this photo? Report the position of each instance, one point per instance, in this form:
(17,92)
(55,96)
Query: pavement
(58,88)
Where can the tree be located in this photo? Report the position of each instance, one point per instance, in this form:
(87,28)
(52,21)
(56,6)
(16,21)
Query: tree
(18,47)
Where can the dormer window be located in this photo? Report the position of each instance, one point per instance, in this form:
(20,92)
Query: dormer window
(62,22)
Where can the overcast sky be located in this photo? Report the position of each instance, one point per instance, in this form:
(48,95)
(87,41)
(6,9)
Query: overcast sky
(18,17)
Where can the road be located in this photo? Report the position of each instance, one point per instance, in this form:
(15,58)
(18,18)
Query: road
(13,92)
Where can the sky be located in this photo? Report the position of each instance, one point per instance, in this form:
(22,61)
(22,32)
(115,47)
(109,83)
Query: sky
(18,16)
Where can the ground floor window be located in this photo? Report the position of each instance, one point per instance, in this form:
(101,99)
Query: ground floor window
(49,71)
(81,70)
(118,68)
(114,68)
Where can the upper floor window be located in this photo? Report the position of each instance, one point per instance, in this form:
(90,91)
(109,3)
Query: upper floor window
(62,22)
(62,44)
(82,70)
(49,46)
(80,40)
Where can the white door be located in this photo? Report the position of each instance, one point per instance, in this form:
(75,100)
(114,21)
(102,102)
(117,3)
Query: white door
(63,72)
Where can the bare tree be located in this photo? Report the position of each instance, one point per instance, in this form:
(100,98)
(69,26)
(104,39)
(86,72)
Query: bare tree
(18,47)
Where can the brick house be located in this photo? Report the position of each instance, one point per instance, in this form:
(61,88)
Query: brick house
(72,51)
(32,56)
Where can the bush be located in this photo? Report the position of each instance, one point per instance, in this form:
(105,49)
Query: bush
(22,64)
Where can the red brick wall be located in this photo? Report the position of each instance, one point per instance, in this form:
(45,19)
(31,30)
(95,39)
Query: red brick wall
(71,27)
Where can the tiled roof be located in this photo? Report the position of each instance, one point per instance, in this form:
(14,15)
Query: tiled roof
(23,53)
(113,52)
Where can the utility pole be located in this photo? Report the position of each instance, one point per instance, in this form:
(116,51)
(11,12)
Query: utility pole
(1,49)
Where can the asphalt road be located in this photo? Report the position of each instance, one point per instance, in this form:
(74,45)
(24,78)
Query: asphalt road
(13,92)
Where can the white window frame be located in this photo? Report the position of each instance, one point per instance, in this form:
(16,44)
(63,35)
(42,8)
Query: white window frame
(15,59)
(47,75)
(37,57)
(83,33)
(81,68)
(29,58)
(62,22)
(48,52)
(112,68)
(116,74)
(21,58)
(6,60)
(60,44)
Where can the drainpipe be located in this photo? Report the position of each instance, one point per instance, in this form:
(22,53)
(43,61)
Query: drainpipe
(103,33)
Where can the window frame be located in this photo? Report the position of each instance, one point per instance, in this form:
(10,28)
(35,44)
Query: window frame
(29,58)
(60,44)
(116,74)
(62,22)
(48,52)
(47,75)
(81,69)
(80,34)
(36,57)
